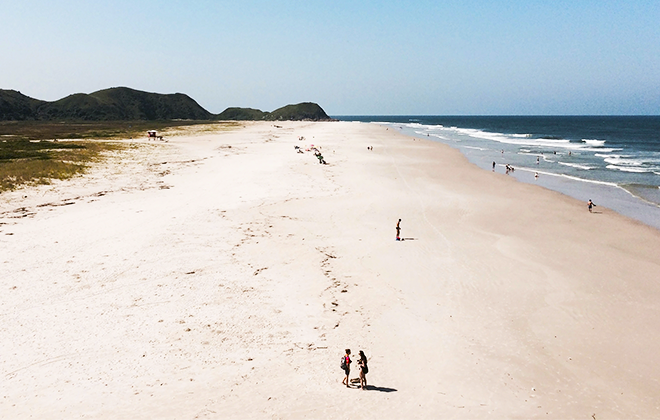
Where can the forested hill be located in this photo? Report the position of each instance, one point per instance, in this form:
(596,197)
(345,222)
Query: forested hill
(125,104)
(303,111)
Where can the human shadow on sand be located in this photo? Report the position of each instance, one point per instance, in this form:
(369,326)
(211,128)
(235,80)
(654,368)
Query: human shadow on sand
(408,239)
(379,388)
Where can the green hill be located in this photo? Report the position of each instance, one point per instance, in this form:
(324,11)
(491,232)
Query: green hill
(125,104)
(16,106)
(298,112)
(303,111)
(241,114)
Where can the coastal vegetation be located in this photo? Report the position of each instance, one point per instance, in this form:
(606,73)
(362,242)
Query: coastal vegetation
(35,152)
(38,162)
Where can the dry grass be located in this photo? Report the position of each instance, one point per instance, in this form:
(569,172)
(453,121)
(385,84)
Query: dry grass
(31,154)
(115,130)
(200,129)
(26,162)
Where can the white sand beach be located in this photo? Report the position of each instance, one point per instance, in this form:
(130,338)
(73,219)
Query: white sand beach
(221,275)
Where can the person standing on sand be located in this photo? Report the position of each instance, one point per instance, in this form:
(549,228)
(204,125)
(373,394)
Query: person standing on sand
(364,369)
(398,230)
(590,204)
(346,366)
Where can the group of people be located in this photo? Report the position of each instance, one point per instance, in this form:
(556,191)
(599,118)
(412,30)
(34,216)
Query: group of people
(508,167)
(362,365)
(316,151)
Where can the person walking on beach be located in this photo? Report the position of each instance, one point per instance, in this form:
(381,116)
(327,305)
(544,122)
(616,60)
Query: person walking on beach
(591,205)
(346,366)
(398,230)
(364,369)
(493,166)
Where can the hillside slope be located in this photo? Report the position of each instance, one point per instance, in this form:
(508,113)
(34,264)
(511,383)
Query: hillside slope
(298,112)
(126,104)
(16,106)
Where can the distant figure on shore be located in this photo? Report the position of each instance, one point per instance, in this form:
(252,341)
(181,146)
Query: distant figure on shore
(493,166)
(346,367)
(398,230)
(319,156)
(591,205)
(364,369)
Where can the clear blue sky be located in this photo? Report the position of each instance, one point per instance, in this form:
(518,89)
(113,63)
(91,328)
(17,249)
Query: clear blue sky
(352,57)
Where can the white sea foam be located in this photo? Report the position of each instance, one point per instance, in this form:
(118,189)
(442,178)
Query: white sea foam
(523,140)
(574,178)
(606,156)
(425,126)
(625,161)
(587,145)
(594,142)
(635,169)
(576,165)
(475,148)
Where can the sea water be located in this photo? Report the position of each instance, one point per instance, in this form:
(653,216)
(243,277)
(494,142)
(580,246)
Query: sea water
(612,160)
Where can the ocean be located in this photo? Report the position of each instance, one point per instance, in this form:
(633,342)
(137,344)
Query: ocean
(612,160)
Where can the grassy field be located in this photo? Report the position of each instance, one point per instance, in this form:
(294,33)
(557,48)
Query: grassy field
(50,130)
(35,152)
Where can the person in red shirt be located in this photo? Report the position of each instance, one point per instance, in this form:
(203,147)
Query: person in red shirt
(346,366)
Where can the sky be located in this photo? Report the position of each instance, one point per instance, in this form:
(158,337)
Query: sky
(491,57)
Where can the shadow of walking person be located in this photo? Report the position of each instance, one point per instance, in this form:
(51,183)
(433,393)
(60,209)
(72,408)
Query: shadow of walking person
(379,388)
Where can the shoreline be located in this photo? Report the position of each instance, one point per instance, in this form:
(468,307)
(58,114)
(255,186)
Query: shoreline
(609,194)
(222,275)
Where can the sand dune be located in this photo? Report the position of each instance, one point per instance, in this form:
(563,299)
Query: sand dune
(221,276)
